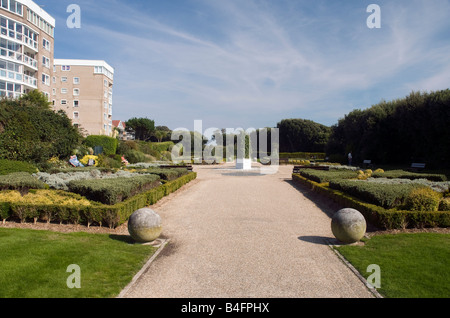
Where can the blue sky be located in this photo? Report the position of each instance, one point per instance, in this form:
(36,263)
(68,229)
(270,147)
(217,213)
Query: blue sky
(252,63)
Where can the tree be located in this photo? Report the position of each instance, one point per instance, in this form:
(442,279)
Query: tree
(302,135)
(142,128)
(35,98)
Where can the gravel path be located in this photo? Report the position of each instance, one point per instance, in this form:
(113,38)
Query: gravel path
(243,235)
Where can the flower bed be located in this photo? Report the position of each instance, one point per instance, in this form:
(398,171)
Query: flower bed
(388,218)
(68,207)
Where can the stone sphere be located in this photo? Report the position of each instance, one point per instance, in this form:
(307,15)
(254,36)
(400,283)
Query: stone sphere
(144,225)
(348,225)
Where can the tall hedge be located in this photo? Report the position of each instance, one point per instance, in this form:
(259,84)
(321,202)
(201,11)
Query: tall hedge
(402,131)
(108,144)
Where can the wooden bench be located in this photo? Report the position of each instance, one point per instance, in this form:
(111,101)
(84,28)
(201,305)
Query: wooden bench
(297,168)
(417,166)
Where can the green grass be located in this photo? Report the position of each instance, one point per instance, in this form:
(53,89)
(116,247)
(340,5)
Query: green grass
(33,263)
(413,265)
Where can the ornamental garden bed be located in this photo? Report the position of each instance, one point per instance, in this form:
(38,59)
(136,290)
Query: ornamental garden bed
(97,197)
(390,202)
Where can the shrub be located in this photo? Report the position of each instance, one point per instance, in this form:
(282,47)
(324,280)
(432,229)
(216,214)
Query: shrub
(22,181)
(10,166)
(401,174)
(114,190)
(423,199)
(85,160)
(109,144)
(444,204)
(109,162)
(134,156)
(384,195)
(321,176)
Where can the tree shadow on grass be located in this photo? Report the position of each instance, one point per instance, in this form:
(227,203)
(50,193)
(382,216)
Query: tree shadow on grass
(122,238)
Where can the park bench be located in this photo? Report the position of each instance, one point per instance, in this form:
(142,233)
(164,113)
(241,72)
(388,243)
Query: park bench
(417,166)
(367,164)
(297,168)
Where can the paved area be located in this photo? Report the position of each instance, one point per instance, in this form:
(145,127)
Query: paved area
(245,235)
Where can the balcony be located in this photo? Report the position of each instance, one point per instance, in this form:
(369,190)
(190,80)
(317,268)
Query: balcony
(28,61)
(30,81)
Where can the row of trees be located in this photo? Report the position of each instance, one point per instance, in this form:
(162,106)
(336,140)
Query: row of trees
(414,128)
(144,129)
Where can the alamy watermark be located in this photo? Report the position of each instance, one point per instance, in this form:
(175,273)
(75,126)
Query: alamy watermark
(374,280)
(374,19)
(74,279)
(74,19)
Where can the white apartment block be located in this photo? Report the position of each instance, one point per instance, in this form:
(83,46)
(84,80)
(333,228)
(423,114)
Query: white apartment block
(82,88)
(26,48)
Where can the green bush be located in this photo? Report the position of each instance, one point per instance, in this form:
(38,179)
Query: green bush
(10,166)
(95,212)
(401,174)
(376,215)
(302,155)
(125,146)
(109,162)
(423,199)
(385,195)
(22,181)
(322,176)
(444,204)
(113,190)
(135,156)
(109,144)
(166,173)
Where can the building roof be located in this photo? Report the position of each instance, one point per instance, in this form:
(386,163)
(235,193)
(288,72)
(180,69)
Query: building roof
(84,63)
(39,11)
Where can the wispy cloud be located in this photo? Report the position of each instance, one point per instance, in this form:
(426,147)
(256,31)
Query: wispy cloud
(252,63)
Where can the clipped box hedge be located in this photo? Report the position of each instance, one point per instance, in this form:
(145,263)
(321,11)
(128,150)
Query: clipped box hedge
(113,190)
(21,181)
(94,212)
(376,215)
(385,195)
(401,174)
(321,176)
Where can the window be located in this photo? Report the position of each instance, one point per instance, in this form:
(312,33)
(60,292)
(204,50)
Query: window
(54,79)
(76,80)
(63,102)
(46,61)
(76,91)
(46,44)
(63,90)
(54,92)
(76,115)
(65,67)
(64,79)
(76,103)
(46,79)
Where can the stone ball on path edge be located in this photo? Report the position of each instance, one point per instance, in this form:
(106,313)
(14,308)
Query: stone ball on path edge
(144,225)
(348,225)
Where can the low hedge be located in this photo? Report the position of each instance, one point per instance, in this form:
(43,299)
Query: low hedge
(321,176)
(385,195)
(376,215)
(94,212)
(11,166)
(113,190)
(302,155)
(22,181)
(401,174)
(168,174)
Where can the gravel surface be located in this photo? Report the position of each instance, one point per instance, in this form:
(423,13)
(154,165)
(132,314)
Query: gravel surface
(242,235)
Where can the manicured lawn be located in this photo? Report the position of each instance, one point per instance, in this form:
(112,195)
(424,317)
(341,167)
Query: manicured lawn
(34,263)
(413,265)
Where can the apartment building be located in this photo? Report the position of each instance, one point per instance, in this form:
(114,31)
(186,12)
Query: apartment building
(26,48)
(84,89)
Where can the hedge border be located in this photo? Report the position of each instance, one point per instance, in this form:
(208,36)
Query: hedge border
(375,215)
(112,215)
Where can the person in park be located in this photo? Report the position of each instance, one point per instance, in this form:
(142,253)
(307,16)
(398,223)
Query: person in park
(350,158)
